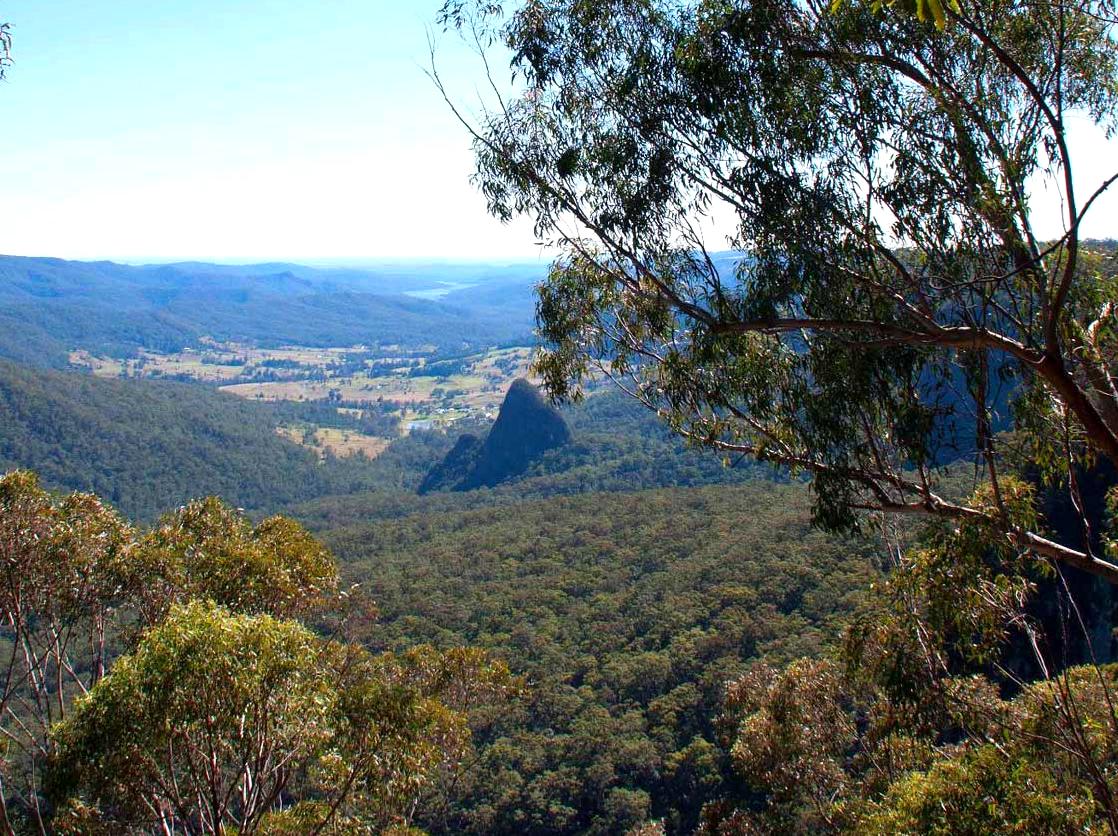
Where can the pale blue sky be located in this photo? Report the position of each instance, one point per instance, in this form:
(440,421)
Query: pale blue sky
(236,129)
(257,129)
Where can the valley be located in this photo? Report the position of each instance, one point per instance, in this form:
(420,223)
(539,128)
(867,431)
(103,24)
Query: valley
(375,394)
(670,418)
(623,574)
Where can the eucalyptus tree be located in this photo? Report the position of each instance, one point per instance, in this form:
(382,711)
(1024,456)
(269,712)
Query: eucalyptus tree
(204,726)
(65,578)
(77,582)
(221,722)
(155,682)
(207,550)
(882,170)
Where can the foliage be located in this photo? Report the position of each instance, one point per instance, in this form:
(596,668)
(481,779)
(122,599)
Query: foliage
(805,770)
(5,48)
(625,612)
(877,173)
(65,571)
(1049,767)
(921,724)
(980,792)
(203,726)
(146,446)
(889,306)
(154,680)
(215,719)
(952,605)
(1112,512)
(208,551)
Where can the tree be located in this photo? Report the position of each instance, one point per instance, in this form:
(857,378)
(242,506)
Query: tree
(802,770)
(155,681)
(76,578)
(204,726)
(891,303)
(65,578)
(209,551)
(909,729)
(220,721)
(5,48)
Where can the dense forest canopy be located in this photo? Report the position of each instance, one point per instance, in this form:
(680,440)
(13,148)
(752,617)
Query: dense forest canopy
(627,613)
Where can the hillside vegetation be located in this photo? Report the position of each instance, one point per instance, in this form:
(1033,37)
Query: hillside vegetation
(165,681)
(627,613)
(147,446)
(49,307)
(616,446)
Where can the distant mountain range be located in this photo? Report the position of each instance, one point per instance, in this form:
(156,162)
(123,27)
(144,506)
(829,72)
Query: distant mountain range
(49,306)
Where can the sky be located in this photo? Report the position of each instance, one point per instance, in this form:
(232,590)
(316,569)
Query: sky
(237,130)
(242,130)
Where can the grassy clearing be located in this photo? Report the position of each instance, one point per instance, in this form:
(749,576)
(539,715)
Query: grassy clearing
(336,442)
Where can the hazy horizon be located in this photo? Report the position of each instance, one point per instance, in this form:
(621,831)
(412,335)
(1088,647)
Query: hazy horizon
(354,263)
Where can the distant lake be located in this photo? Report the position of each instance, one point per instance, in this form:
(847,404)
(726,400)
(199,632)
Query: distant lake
(439,292)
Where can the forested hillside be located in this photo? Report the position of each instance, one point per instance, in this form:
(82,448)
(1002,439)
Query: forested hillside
(627,613)
(892,171)
(49,307)
(147,446)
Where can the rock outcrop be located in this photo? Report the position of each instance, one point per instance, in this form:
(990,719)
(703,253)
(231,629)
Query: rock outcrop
(526,428)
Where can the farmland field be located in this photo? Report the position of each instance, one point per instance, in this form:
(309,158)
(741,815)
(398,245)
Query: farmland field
(338,442)
(372,395)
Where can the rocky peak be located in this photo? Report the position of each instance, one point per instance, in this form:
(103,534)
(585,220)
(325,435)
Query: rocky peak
(526,428)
